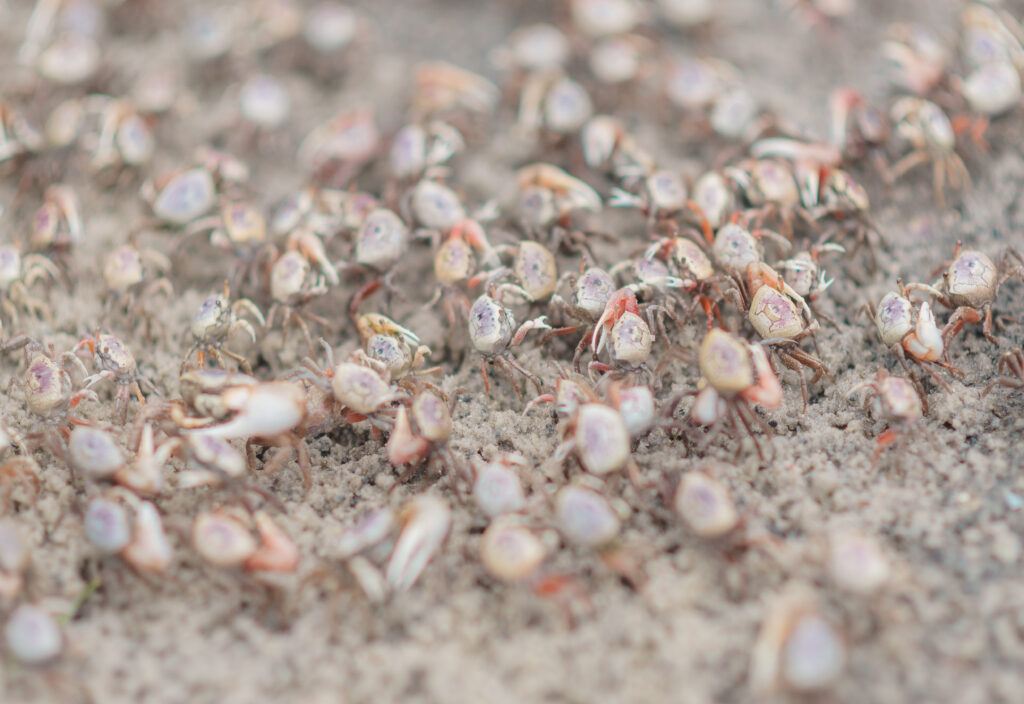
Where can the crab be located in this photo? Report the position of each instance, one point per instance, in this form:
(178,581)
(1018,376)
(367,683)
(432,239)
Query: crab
(969,286)
(348,392)
(662,195)
(857,129)
(548,199)
(395,348)
(735,376)
(293,285)
(58,227)
(421,433)
(454,264)
(690,267)
(268,413)
(910,331)
(180,198)
(596,434)
(230,536)
(134,277)
(20,470)
(421,148)
(843,203)
(798,648)
(930,134)
(806,277)
(552,106)
(899,402)
(493,331)
(239,228)
(116,364)
(49,393)
(627,335)
(1011,366)
(782,318)
(772,189)
(94,454)
(534,271)
(124,138)
(215,322)
(337,150)
(608,147)
(119,522)
(17,275)
(591,290)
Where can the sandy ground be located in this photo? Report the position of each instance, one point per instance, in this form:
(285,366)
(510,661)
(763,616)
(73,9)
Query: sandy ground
(948,627)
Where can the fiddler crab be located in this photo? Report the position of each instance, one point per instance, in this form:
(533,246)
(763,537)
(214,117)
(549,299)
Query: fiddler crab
(49,392)
(591,291)
(627,335)
(422,525)
(930,134)
(215,322)
(242,537)
(782,318)
(134,277)
(735,376)
(116,364)
(179,199)
(493,331)
(58,227)
(95,455)
(455,263)
(910,331)
(969,286)
(218,405)
(17,275)
(898,401)
(548,199)
(119,522)
(421,432)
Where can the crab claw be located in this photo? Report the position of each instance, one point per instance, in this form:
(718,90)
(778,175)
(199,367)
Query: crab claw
(277,552)
(149,550)
(404,447)
(263,410)
(926,341)
(767,392)
(312,247)
(622,301)
(426,520)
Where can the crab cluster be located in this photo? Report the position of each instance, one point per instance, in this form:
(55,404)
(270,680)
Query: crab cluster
(695,321)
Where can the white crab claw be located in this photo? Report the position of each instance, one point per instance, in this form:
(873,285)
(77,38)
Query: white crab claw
(265,409)
(426,522)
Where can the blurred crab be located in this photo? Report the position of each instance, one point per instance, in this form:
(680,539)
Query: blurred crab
(548,199)
(804,274)
(134,277)
(239,228)
(118,521)
(858,129)
(20,469)
(57,227)
(181,197)
(609,148)
(116,364)
(898,402)
(419,148)
(17,275)
(337,150)
(293,285)
(598,437)
(969,286)
(926,128)
(229,536)
(534,271)
(552,106)
(268,413)
(213,325)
